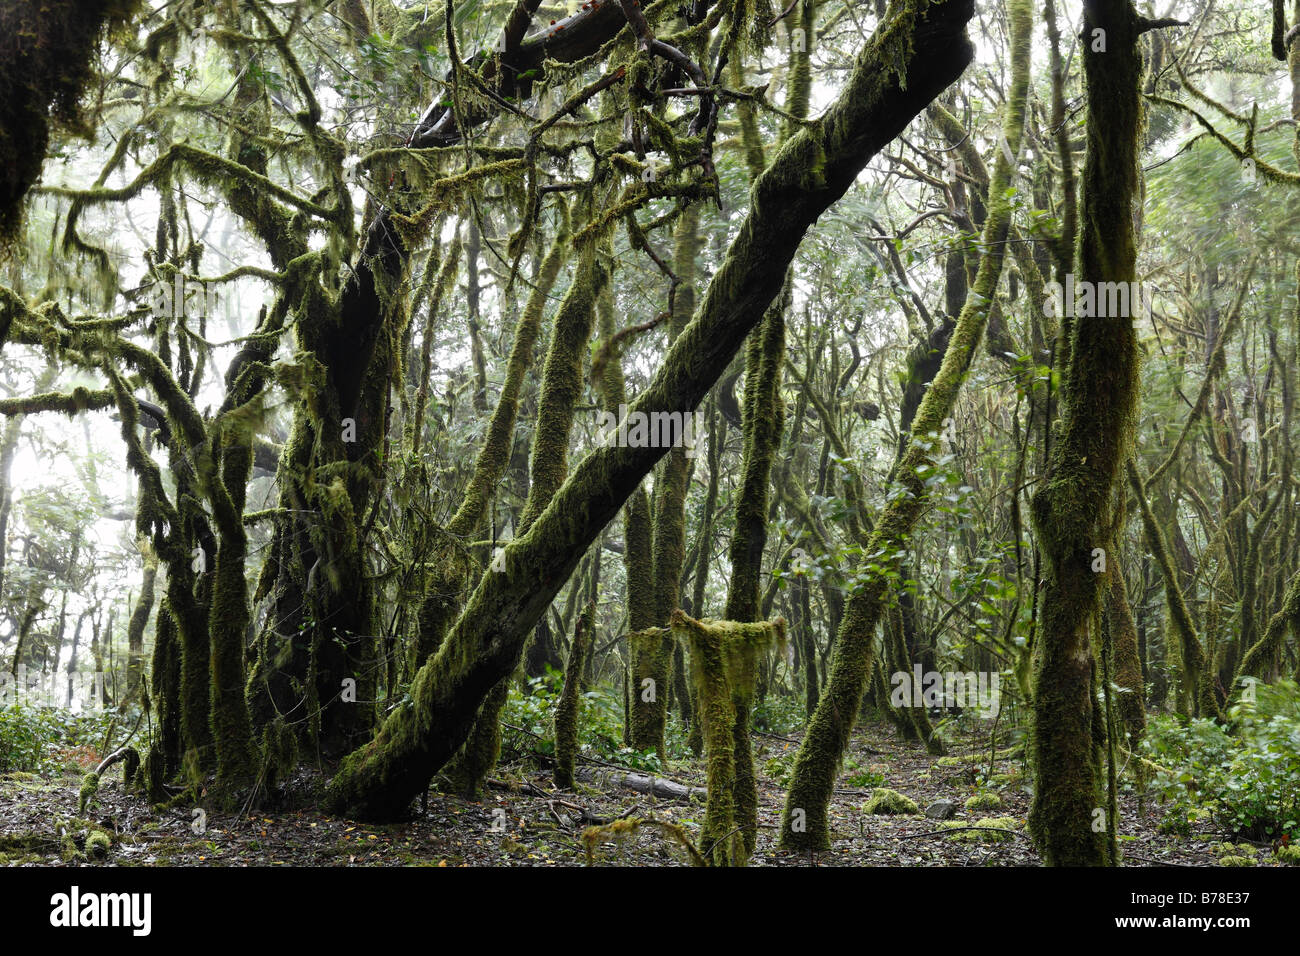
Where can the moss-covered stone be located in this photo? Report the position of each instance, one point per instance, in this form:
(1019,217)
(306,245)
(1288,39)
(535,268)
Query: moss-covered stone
(984,801)
(886,802)
(89,788)
(98,843)
(985,830)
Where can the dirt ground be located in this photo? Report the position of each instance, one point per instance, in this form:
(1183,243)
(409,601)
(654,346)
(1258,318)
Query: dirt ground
(524,821)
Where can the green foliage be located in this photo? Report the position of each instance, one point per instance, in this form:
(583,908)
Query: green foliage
(600,725)
(855,775)
(48,740)
(778,714)
(1243,780)
(779,768)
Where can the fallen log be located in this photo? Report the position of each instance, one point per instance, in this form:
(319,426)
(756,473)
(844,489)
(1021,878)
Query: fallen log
(641,783)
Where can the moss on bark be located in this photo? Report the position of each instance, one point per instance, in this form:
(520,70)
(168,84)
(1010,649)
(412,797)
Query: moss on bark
(805,824)
(724,668)
(913,56)
(1071,509)
(568,709)
(650,658)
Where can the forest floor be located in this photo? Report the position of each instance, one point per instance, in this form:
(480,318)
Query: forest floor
(524,821)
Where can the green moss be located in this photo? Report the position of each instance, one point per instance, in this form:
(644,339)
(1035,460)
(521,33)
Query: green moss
(567,710)
(984,801)
(1236,861)
(1288,854)
(650,653)
(89,788)
(47,52)
(22,842)
(762,421)
(98,843)
(69,852)
(886,802)
(977,835)
(465,774)
(1234,849)
(724,657)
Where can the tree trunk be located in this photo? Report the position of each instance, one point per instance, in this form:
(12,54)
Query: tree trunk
(816,167)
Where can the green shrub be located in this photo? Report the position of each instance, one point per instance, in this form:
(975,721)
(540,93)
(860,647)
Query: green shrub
(1242,780)
(48,740)
(778,714)
(600,725)
(855,775)
(780,768)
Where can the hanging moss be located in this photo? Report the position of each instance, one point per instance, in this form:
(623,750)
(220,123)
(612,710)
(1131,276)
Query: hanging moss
(724,667)
(46,54)
(567,710)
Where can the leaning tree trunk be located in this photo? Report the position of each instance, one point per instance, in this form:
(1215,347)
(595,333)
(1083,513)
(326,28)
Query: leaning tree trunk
(562,383)
(805,824)
(910,59)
